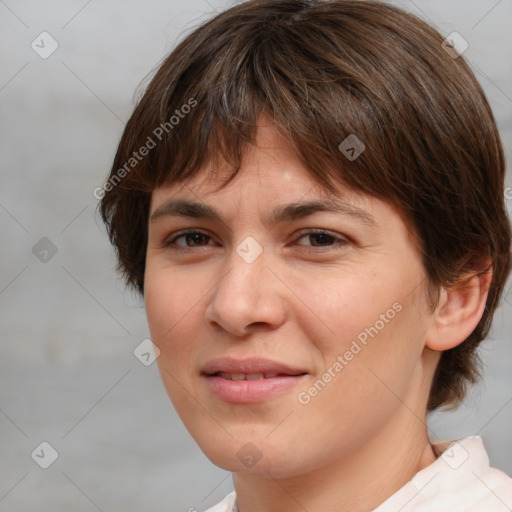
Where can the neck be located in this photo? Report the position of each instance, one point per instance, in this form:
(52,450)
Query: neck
(360,482)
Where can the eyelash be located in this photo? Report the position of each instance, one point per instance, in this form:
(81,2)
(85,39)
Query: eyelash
(313,232)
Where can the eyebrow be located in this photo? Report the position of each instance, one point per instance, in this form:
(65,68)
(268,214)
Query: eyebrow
(291,211)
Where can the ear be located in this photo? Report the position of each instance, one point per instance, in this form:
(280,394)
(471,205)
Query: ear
(459,310)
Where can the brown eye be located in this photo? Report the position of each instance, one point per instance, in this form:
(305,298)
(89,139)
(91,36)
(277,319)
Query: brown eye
(191,239)
(321,238)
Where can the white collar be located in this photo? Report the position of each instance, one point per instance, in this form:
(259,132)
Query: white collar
(460,479)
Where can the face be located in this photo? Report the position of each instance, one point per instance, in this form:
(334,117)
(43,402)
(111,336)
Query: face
(289,337)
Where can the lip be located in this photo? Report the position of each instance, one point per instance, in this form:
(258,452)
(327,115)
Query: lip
(249,365)
(250,391)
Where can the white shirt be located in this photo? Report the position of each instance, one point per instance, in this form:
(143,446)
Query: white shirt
(459,480)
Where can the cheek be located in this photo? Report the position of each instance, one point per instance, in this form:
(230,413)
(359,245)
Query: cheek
(169,296)
(362,383)
(172,311)
(369,327)
(172,307)
(347,307)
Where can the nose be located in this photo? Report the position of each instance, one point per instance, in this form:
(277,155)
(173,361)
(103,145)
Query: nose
(248,295)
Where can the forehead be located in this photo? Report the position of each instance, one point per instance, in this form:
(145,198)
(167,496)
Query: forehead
(273,183)
(275,194)
(271,162)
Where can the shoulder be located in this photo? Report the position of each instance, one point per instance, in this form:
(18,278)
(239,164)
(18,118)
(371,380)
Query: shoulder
(460,479)
(228,504)
(469,479)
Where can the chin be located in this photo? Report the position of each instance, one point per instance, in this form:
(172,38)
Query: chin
(260,458)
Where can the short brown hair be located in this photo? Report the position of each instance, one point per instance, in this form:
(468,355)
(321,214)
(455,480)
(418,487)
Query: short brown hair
(325,70)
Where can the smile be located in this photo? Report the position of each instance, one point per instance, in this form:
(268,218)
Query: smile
(246,376)
(251,388)
(249,380)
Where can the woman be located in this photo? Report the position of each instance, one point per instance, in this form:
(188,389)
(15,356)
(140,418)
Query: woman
(309,196)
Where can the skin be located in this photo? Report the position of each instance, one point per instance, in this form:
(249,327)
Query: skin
(302,302)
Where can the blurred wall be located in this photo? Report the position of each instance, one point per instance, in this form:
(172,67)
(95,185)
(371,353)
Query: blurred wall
(68,327)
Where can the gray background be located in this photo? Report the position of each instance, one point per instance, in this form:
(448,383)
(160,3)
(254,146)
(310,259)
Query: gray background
(68,326)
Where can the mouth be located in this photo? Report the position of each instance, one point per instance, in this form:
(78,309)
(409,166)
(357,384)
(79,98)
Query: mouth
(255,367)
(249,380)
(252,376)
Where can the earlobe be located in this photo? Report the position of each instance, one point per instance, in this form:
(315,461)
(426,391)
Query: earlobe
(458,312)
